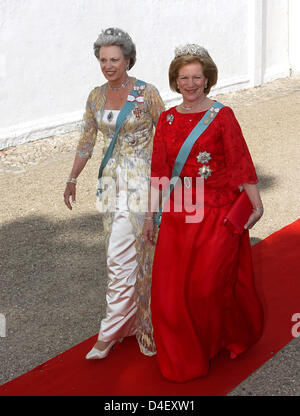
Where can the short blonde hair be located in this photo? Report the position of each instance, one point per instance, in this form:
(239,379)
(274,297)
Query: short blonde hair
(210,70)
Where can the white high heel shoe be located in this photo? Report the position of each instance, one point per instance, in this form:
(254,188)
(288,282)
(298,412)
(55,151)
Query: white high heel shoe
(96,354)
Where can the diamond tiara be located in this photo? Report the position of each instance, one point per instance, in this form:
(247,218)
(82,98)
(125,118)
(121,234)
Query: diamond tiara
(190,49)
(114,32)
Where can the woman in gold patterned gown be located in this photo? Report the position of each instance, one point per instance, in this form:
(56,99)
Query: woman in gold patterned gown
(129,259)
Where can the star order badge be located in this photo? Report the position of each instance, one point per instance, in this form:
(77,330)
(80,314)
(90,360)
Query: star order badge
(205,171)
(203,157)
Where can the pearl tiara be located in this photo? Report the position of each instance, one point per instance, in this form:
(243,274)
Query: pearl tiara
(190,49)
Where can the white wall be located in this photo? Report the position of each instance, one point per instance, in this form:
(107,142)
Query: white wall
(47,66)
(294,35)
(276,32)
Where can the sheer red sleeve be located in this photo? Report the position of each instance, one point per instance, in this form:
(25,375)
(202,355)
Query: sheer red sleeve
(159,165)
(239,165)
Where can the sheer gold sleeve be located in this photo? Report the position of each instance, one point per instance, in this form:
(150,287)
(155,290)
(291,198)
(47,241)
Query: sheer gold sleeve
(89,129)
(154,102)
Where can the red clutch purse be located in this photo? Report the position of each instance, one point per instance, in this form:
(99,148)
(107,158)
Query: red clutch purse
(239,214)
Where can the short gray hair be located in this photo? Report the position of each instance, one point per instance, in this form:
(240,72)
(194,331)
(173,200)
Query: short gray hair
(116,36)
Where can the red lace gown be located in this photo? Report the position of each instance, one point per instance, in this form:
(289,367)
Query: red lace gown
(203,297)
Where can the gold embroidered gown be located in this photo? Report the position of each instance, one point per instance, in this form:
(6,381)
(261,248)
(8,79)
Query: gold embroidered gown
(129,259)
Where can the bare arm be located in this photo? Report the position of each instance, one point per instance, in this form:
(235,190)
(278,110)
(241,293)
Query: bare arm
(154,197)
(78,166)
(70,191)
(254,196)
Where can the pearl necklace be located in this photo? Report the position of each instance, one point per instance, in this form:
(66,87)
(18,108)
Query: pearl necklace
(194,106)
(119,88)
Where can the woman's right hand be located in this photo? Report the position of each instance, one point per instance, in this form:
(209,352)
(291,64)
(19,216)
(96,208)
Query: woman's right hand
(70,191)
(148,231)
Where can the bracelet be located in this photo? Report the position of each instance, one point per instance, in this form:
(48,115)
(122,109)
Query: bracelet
(71,180)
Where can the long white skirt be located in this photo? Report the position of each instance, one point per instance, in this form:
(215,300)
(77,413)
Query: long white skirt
(122,268)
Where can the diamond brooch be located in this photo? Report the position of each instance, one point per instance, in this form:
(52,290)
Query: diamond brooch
(170,118)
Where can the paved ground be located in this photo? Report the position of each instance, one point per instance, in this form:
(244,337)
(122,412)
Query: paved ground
(52,287)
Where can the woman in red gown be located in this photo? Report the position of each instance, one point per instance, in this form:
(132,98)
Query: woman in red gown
(203,297)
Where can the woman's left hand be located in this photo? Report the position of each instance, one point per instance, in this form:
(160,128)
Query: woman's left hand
(254,217)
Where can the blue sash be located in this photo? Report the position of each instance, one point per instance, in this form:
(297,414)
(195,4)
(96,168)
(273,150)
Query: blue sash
(125,111)
(186,148)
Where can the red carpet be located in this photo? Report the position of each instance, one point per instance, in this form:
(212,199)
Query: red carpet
(126,372)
